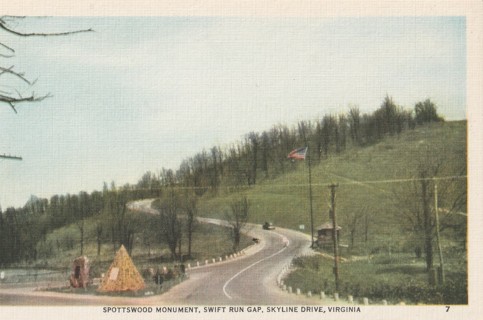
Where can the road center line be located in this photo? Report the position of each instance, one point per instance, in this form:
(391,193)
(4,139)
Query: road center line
(286,242)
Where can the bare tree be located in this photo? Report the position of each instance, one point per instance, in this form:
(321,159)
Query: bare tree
(16,78)
(415,202)
(265,150)
(122,224)
(255,145)
(355,125)
(170,224)
(328,124)
(83,208)
(343,125)
(355,222)
(238,218)
(191,209)
(215,172)
(99,237)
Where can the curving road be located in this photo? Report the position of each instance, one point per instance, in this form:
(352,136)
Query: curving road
(250,279)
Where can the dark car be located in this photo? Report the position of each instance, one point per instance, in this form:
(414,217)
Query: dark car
(268,226)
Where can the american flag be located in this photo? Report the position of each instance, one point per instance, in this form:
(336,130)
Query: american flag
(298,154)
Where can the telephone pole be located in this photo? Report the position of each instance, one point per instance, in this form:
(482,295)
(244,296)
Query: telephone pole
(9,157)
(310,199)
(334,236)
(440,252)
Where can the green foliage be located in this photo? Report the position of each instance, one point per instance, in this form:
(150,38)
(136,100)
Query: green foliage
(426,112)
(284,200)
(395,279)
(455,291)
(61,246)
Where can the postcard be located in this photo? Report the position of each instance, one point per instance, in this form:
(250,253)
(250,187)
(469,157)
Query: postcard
(240,159)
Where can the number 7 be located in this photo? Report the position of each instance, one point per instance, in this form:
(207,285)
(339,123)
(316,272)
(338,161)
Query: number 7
(447,308)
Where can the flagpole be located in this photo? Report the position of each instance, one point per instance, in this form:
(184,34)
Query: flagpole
(302,154)
(310,199)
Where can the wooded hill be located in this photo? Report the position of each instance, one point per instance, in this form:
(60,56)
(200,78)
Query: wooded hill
(378,160)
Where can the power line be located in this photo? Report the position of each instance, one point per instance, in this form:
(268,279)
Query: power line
(347,183)
(245,187)
(372,181)
(406,180)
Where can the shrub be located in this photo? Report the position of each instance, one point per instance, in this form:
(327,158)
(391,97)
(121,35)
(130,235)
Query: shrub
(455,291)
(384,280)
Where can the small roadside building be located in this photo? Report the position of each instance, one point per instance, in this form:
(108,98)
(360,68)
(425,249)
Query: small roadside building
(324,234)
(79,277)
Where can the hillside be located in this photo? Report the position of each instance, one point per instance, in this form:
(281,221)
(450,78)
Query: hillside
(364,176)
(371,207)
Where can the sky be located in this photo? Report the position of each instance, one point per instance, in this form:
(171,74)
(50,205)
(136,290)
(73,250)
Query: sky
(140,94)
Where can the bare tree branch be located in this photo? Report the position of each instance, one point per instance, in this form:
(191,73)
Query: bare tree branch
(3,25)
(31,98)
(7,47)
(9,98)
(12,101)
(17,74)
(12,106)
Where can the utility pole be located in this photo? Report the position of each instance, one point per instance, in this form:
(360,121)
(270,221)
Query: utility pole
(310,199)
(9,157)
(440,252)
(334,236)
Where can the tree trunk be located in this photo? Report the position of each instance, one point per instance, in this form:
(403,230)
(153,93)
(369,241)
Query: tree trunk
(99,235)
(427,225)
(82,240)
(190,236)
(236,240)
(180,255)
(113,239)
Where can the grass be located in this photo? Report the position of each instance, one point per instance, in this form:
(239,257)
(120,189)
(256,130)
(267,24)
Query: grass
(285,199)
(395,278)
(209,241)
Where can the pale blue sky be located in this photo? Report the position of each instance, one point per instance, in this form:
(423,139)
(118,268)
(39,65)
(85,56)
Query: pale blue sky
(140,94)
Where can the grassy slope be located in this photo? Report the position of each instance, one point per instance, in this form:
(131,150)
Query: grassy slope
(209,241)
(284,200)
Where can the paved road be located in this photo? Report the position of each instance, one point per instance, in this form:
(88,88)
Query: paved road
(250,279)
